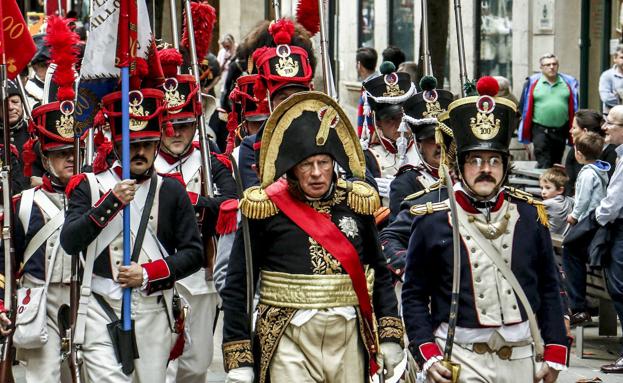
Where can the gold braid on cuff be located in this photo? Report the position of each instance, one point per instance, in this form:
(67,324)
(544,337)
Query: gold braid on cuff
(391,329)
(237,354)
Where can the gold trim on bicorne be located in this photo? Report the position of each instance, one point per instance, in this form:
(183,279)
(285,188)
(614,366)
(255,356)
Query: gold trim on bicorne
(281,119)
(255,204)
(237,354)
(305,291)
(271,324)
(391,329)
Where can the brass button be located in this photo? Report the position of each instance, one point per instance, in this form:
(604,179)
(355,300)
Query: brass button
(508,292)
(475,265)
(481,296)
(484,312)
(514,307)
(478,279)
(505,352)
(473,249)
(505,246)
(467,237)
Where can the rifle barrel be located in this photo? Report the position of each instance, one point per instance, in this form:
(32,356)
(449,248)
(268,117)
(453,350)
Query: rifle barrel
(205,152)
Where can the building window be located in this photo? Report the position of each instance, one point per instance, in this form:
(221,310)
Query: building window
(366,23)
(495,38)
(401,26)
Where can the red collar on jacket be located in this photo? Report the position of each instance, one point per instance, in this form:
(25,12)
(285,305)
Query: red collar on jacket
(171,159)
(471,206)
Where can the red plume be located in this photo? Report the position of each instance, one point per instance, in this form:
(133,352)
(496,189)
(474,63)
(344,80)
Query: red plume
(204,17)
(232,125)
(170,59)
(100,162)
(487,86)
(29,156)
(140,70)
(308,15)
(282,31)
(63,44)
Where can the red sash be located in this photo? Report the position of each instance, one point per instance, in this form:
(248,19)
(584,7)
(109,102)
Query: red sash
(324,231)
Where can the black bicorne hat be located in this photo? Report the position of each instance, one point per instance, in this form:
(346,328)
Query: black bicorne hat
(483,122)
(304,125)
(423,109)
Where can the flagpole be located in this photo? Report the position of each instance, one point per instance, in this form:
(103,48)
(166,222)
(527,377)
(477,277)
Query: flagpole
(124,49)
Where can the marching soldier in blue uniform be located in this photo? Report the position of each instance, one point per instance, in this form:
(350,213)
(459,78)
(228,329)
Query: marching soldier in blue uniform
(179,156)
(388,144)
(316,230)
(395,236)
(421,114)
(507,268)
(39,215)
(163,223)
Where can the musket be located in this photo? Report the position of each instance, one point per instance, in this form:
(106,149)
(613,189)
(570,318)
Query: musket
(277,8)
(466,87)
(426,59)
(22,92)
(327,73)
(174,31)
(10,299)
(208,188)
(455,368)
(248,254)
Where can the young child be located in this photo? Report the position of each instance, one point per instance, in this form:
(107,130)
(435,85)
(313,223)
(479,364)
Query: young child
(559,206)
(592,181)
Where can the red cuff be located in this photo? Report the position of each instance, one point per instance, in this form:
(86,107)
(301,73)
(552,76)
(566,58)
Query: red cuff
(157,270)
(556,353)
(429,350)
(2,309)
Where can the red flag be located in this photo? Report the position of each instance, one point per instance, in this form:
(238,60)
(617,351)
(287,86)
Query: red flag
(16,40)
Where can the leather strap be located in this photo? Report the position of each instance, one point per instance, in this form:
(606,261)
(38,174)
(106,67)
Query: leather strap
(140,235)
(324,231)
(493,254)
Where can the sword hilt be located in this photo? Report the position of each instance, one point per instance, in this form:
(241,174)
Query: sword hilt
(455,369)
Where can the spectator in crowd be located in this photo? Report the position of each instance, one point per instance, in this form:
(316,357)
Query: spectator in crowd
(225,54)
(366,70)
(611,83)
(409,67)
(590,187)
(610,210)
(505,89)
(548,102)
(586,120)
(559,206)
(395,55)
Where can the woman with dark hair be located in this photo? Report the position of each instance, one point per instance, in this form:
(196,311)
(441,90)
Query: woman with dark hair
(586,120)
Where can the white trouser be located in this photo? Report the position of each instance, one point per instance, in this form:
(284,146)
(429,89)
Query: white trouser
(153,338)
(489,368)
(44,365)
(327,348)
(192,366)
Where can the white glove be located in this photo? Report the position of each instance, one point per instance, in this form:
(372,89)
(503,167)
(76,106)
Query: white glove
(383,184)
(240,375)
(393,354)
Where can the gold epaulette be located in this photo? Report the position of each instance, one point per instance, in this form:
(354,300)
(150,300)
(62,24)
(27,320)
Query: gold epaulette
(255,204)
(428,208)
(541,211)
(362,197)
(427,190)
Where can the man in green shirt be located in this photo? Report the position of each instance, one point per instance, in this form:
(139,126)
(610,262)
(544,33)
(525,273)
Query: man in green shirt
(549,101)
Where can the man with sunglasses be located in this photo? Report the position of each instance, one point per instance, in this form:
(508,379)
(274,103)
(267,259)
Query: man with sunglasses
(548,102)
(507,268)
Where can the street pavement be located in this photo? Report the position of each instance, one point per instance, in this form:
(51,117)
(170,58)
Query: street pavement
(597,351)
